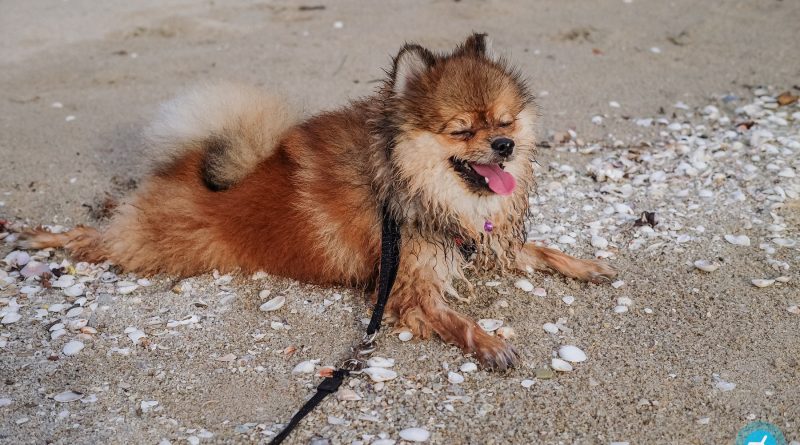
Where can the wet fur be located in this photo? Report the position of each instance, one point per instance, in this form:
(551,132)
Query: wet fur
(242,186)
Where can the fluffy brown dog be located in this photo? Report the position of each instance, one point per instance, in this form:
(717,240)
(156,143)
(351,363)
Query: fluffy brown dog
(447,144)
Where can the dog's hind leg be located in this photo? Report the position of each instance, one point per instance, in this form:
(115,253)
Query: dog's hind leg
(532,256)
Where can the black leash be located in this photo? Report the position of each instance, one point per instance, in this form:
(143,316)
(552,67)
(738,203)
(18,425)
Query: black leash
(389,262)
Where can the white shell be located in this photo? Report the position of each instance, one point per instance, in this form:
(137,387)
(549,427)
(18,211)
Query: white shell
(572,354)
(273,304)
(126,287)
(527,383)
(17,258)
(540,292)
(620,309)
(347,394)
(415,434)
(490,324)
(506,332)
(64,281)
(306,367)
(560,365)
(455,378)
(468,367)
(147,405)
(58,333)
(135,334)
(599,242)
(68,396)
(380,374)
(380,362)
(405,336)
(75,290)
(524,285)
(762,282)
(782,279)
(738,240)
(568,299)
(11,317)
(624,301)
(793,309)
(706,266)
(617,284)
(550,328)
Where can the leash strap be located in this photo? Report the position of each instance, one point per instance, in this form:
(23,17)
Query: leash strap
(389,262)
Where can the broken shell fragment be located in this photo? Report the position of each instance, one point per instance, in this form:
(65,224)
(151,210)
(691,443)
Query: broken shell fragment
(762,282)
(380,374)
(706,266)
(489,324)
(273,304)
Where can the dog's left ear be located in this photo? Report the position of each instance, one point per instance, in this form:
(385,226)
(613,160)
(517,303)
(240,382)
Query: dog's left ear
(411,62)
(478,44)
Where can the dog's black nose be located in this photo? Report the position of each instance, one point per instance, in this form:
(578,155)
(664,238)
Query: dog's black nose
(503,146)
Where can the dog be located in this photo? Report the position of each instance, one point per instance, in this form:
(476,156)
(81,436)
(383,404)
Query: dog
(242,183)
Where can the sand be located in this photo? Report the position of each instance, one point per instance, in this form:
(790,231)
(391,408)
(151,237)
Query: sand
(649,377)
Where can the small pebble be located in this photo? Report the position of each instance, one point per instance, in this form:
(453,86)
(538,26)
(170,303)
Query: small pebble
(568,299)
(527,383)
(551,328)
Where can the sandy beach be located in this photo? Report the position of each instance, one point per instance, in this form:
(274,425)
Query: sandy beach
(669,107)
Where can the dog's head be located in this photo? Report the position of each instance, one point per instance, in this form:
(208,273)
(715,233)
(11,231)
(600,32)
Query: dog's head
(464,125)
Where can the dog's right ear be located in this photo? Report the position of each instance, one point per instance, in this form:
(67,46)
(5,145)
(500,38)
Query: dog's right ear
(410,63)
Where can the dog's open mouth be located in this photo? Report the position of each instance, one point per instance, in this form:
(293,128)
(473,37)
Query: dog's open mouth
(485,176)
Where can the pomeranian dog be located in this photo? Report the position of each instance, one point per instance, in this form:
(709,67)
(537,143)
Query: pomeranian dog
(242,184)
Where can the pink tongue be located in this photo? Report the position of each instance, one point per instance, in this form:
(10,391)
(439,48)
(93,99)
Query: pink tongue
(500,181)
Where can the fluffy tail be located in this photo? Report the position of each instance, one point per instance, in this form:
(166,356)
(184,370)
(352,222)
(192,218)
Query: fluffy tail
(235,126)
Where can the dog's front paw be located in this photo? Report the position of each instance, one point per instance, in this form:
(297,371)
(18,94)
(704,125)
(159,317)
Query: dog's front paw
(495,354)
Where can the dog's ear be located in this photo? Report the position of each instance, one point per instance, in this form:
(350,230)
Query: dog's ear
(478,44)
(410,63)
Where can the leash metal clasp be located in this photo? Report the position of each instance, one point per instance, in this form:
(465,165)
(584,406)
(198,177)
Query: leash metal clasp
(353,365)
(367,346)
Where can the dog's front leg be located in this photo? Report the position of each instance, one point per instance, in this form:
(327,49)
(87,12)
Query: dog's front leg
(532,256)
(418,303)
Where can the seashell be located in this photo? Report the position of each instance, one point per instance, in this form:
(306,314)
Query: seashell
(706,266)
(187,320)
(524,285)
(793,309)
(88,330)
(126,287)
(223,280)
(620,309)
(68,396)
(17,258)
(30,290)
(540,292)
(11,317)
(738,240)
(492,283)
(624,301)
(380,362)
(74,312)
(347,395)
(415,434)
(782,279)
(599,242)
(147,405)
(108,277)
(58,307)
(144,282)
(273,304)
(58,333)
(73,347)
(489,324)
(784,242)
(572,354)
(56,327)
(551,328)
(135,334)
(762,282)
(78,324)
(380,374)
(34,269)
(568,299)
(63,281)
(333,420)
(527,383)
(455,378)
(405,336)
(306,367)
(566,239)
(647,310)
(506,332)
(617,284)
(560,365)
(468,367)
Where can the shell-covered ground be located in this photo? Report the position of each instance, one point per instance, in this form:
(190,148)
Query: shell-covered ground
(670,145)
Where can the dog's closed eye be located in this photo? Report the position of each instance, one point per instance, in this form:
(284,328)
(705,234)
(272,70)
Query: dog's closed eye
(463,134)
